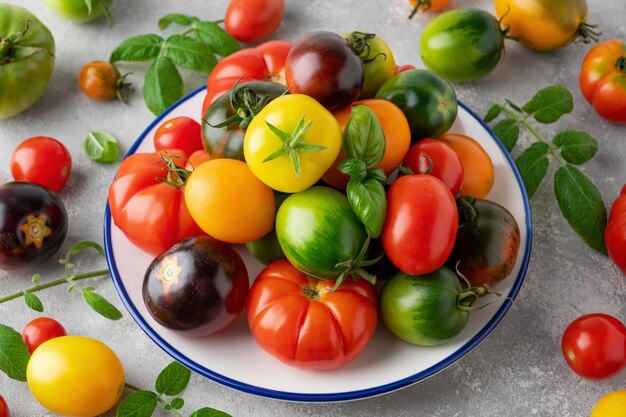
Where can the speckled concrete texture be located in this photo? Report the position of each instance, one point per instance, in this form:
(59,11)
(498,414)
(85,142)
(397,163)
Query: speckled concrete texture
(518,371)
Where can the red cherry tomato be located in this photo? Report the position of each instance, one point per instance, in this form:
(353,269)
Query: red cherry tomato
(440,159)
(615,232)
(41,330)
(253,20)
(594,346)
(300,321)
(42,160)
(4,408)
(419,232)
(179,133)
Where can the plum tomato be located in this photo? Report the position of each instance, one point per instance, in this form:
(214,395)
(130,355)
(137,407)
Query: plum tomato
(40,330)
(101,80)
(379,63)
(253,21)
(304,323)
(615,232)
(594,346)
(4,408)
(322,65)
(33,224)
(612,404)
(180,132)
(433,157)
(42,160)
(197,287)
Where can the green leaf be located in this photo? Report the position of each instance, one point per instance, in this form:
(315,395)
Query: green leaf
(493,112)
(508,132)
(163,85)
(89,4)
(177,18)
(369,202)
(177,403)
(576,147)
(36,279)
(138,404)
(533,165)
(101,305)
(363,138)
(101,147)
(218,40)
(581,205)
(14,354)
(353,167)
(190,53)
(513,105)
(32,301)
(209,412)
(173,379)
(550,103)
(138,48)
(85,244)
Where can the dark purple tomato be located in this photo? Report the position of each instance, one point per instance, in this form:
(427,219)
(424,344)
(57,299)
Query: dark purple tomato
(33,224)
(197,287)
(322,65)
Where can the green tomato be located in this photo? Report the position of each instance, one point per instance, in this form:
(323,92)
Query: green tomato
(462,44)
(26,59)
(379,63)
(79,10)
(317,229)
(427,101)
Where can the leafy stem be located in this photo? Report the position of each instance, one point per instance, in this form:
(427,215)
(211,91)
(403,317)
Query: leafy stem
(354,267)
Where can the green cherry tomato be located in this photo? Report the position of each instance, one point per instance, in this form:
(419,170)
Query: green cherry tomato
(463,44)
(379,63)
(78,10)
(427,100)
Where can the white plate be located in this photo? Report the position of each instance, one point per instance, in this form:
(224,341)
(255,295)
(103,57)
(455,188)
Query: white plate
(232,357)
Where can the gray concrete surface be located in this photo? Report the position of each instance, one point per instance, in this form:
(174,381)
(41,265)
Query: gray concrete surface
(517,371)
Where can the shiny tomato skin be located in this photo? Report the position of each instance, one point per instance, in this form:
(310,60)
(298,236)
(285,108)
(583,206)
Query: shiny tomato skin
(100,80)
(429,5)
(612,404)
(594,346)
(421,224)
(42,160)
(442,161)
(40,330)
(253,21)
(4,408)
(615,232)
(301,322)
(179,133)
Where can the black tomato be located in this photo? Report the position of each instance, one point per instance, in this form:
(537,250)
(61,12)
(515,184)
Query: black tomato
(33,224)
(197,287)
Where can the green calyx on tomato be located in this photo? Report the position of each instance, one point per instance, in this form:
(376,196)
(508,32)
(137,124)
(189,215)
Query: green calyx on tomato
(379,63)
(246,104)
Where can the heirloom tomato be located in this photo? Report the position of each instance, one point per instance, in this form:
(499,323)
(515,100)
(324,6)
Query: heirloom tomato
(75,376)
(379,63)
(603,79)
(421,224)
(150,212)
(594,346)
(40,330)
(253,20)
(615,232)
(101,80)
(397,138)
(180,132)
(304,323)
(292,142)
(4,408)
(42,160)
(196,158)
(228,202)
(428,6)
(612,404)
(433,157)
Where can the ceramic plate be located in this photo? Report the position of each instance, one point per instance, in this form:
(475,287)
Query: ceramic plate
(232,357)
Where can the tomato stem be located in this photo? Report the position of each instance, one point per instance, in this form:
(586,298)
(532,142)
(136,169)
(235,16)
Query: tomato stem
(587,33)
(420,5)
(5,49)
(359,43)
(621,63)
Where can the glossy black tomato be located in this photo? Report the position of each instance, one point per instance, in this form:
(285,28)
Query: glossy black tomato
(324,66)
(197,287)
(33,224)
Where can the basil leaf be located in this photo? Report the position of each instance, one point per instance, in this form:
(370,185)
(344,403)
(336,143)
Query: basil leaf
(363,138)
(369,202)
(101,147)
(576,147)
(14,354)
(138,48)
(177,18)
(533,165)
(85,244)
(209,412)
(377,174)
(33,302)
(581,205)
(190,53)
(173,379)
(163,85)
(493,112)
(353,167)
(218,40)
(550,103)
(138,404)
(101,305)
(508,132)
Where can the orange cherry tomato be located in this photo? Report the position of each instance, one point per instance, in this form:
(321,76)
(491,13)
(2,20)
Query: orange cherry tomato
(427,5)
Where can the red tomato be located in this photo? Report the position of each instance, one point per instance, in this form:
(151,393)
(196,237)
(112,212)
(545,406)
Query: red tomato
(594,346)
(266,62)
(42,160)
(300,321)
(41,330)
(615,232)
(440,159)
(196,158)
(421,224)
(151,213)
(253,20)
(4,408)
(603,79)
(182,133)
(402,68)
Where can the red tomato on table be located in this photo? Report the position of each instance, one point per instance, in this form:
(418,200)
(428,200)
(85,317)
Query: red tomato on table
(253,20)
(42,160)
(615,232)
(41,330)
(4,408)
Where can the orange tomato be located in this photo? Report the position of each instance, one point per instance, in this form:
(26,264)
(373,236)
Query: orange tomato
(428,5)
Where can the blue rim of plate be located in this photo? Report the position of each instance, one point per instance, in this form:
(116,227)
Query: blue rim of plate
(309,397)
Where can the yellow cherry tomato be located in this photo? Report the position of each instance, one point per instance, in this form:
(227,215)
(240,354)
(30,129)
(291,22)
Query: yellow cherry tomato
(75,376)
(228,202)
(291,143)
(612,404)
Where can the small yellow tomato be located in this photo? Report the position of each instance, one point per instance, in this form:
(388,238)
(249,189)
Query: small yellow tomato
(612,404)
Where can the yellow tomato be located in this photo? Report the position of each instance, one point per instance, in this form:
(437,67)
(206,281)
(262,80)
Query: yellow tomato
(75,376)
(611,405)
